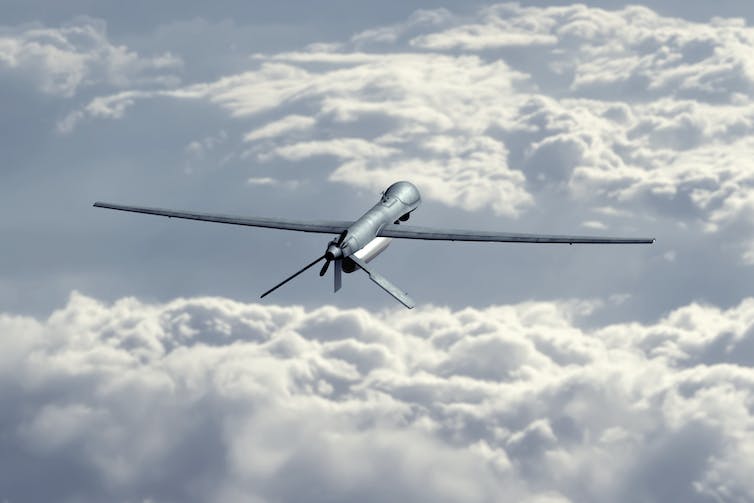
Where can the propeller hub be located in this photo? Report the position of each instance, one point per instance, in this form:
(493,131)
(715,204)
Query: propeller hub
(333,252)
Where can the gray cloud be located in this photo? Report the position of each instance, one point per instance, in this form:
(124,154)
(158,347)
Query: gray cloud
(208,399)
(62,60)
(496,138)
(618,110)
(532,119)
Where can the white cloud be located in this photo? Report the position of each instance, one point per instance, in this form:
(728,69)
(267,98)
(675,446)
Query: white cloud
(498,27)
(670,255)
(62,60)
(265,181)
(283,126)
(344,148)
(426,120)
(510,108)
(621,114)
(594,224)
(199,148)
(237,401)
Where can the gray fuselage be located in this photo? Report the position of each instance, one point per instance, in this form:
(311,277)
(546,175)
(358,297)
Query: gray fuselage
(400,199)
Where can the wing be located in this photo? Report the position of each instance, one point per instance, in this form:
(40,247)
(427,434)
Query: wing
(413,232)
(320,226)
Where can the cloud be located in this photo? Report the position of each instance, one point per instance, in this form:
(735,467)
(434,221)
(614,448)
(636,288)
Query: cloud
(418,136)
(284,125)
(266,181)
(594,224)
(630,50)
(62,60)
(285,403)
(496,27)
(346,148)
(624,108)
(557,116)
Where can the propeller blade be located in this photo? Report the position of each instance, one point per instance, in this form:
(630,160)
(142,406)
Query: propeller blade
(342,237)
(324,268)
(338,274)
(286,280)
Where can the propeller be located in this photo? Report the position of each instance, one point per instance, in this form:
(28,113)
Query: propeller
(325,266)
(338,274)
(333,253)
(286,280)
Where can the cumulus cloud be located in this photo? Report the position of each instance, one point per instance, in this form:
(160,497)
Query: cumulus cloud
(434,133)
(610,53)
(208,399)
(624,108)
(508,109)
(62,60)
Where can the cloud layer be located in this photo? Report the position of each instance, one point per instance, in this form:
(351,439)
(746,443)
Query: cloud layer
(504,108)
(508,117)
(208,399)
(622,120)
(62,60)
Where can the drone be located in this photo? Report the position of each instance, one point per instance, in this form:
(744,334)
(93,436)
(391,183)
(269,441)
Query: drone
(363,239)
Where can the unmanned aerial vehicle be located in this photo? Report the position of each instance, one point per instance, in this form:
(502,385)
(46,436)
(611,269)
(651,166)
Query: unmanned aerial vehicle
(361,240)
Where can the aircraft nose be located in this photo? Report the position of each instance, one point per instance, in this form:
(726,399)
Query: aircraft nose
(333,252)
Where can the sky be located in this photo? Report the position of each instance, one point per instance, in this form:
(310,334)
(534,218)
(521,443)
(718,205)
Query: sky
(137,362)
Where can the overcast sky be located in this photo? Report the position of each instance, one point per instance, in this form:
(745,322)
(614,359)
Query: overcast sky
(138,364)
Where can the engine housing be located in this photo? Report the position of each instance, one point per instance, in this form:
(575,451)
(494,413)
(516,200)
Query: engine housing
(367,254)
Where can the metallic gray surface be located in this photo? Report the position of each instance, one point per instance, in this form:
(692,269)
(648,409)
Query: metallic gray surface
(338,275)
(386,285)
(319,226)
(414,232)
(399,199)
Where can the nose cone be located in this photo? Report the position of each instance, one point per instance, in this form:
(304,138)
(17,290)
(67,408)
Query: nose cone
(405,191)
(333,252)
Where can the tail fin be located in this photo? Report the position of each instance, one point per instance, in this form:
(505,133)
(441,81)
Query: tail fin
(386,285)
